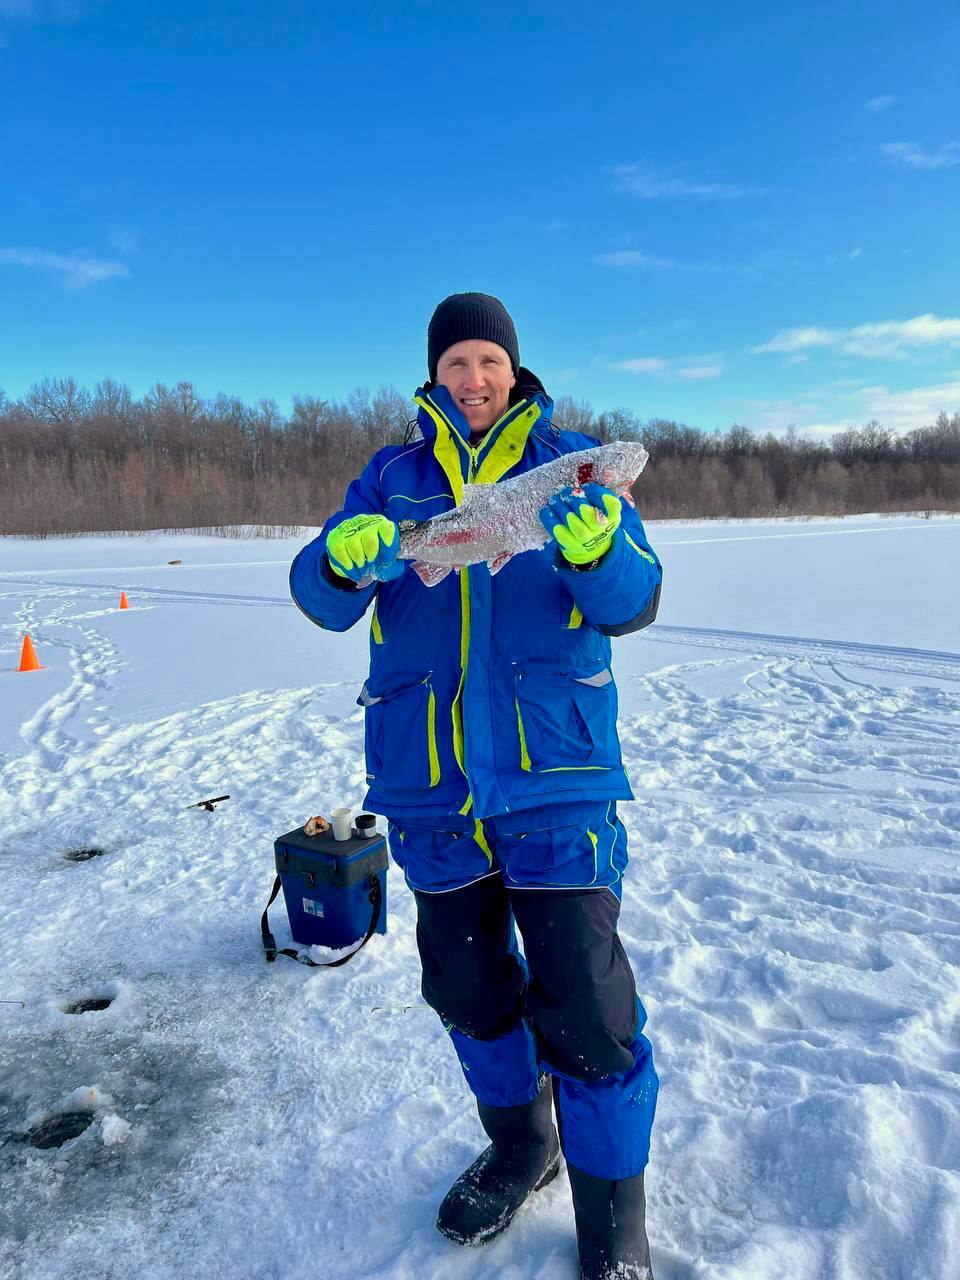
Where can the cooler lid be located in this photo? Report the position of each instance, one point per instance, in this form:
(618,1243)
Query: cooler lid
(345,860)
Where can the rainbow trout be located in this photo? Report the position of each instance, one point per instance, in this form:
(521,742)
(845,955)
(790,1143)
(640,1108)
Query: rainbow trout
(497,521)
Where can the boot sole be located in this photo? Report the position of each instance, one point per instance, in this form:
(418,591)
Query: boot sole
(497,1228)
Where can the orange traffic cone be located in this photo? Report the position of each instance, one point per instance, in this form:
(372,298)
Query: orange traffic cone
(124,602)
(28,656)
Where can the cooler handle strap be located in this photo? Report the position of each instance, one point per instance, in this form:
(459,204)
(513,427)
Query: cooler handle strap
(271,950)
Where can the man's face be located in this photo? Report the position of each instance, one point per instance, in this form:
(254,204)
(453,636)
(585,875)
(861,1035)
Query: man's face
(479,376)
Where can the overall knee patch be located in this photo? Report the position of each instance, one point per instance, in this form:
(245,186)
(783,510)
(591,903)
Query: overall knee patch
(582,998)
(472,975)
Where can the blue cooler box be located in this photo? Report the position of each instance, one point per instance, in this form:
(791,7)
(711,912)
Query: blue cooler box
(326,885)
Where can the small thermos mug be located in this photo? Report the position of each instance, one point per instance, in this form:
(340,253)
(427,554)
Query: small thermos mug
(366,825)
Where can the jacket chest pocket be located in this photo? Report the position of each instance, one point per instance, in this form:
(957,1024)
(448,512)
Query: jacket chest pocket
(401,736)
(566,719)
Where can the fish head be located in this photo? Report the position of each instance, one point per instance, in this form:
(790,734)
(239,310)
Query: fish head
(616,466)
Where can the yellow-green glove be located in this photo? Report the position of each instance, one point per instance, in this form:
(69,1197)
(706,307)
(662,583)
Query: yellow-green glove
(583,526)
(364,546)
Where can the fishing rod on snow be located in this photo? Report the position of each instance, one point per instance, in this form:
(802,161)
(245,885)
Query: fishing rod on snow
(208,805)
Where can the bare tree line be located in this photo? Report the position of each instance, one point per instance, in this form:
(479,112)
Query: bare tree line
(74,461)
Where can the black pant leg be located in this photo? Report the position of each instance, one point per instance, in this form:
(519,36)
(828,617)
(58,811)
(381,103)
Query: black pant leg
(471,976)
(582,997)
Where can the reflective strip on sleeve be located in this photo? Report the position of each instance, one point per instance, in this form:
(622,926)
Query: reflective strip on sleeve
(639,550)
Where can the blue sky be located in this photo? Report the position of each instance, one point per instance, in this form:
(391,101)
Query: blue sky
(716,213)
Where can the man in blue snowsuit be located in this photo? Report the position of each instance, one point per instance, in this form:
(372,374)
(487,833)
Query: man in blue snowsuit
(492,749)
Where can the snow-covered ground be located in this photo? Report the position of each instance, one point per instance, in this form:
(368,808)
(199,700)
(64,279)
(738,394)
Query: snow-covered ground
(792,912)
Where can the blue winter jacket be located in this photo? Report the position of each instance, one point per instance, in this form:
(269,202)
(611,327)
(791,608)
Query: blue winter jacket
(485,694)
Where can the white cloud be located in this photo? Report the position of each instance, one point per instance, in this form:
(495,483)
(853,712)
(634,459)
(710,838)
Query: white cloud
(76,270)
(648,364)
(908,153)
(886,340)
(789,340)
(651,184)
(636,258)
(905,410)
(633,258)
(880,104)
(684,368)
(776,415)
(850,256)
(821,413)
(894,338)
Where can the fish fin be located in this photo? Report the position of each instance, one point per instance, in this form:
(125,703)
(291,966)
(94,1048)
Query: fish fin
(430,574)
(608,478)
(497,563)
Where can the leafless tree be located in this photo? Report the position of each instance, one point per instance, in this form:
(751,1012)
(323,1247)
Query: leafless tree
(76,461)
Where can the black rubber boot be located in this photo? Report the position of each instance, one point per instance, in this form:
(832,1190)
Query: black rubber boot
(611,1227)
(524,1156)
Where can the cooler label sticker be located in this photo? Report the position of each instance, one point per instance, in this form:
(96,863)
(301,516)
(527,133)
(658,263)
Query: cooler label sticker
(312,907)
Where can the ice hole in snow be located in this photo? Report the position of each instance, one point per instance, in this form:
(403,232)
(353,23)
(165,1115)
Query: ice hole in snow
(93,1004)
(56,1130)
(84,855)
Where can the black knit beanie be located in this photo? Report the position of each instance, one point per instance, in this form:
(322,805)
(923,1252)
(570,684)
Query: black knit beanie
(470,315)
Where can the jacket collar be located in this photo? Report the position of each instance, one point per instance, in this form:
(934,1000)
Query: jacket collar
(529,387)
(444,426)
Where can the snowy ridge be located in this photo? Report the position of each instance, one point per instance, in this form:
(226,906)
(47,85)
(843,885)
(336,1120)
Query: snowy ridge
(792,910)
(929,663)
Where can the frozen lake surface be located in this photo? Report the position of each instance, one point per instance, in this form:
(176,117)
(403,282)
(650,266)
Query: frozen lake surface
(792,910)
